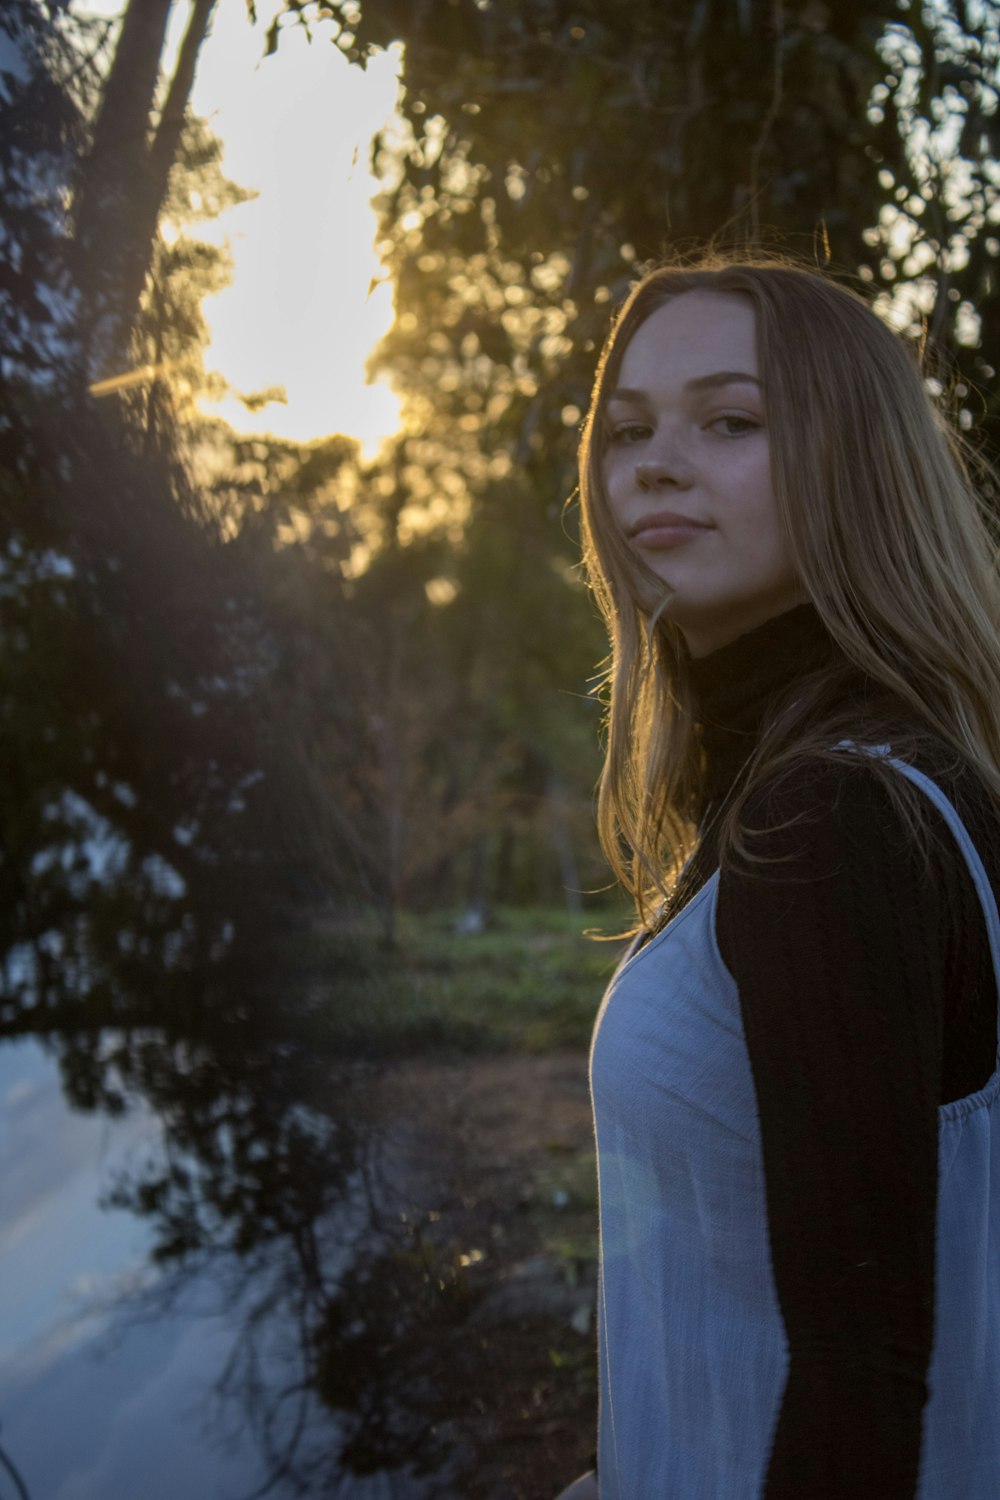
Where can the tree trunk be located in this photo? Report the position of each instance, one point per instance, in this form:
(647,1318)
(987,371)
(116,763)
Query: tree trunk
(124,180)
(161,156)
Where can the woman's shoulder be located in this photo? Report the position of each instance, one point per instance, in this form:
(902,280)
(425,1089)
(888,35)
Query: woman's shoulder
(830,802)
(861,760)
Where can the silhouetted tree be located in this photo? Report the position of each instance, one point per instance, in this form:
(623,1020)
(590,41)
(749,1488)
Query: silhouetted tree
(123,180)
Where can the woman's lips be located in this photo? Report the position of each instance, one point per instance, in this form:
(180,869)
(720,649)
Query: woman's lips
(655,534)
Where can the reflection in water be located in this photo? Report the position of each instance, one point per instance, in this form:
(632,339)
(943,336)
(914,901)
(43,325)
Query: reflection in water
(283,1247)
(10,1469)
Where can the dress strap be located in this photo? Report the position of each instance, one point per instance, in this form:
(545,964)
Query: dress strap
(977,869)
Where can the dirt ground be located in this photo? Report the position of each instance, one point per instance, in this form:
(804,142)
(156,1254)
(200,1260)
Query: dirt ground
(511,1201)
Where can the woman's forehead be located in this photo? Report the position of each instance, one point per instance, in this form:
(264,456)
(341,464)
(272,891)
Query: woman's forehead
(694,337)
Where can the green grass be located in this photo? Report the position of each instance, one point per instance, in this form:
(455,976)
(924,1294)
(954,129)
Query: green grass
(531,982)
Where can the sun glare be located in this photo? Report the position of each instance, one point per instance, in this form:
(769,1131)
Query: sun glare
(305,306)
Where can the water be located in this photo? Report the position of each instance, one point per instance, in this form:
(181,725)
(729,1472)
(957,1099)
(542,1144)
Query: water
(197,1283)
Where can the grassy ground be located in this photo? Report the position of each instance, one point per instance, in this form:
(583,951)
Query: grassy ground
(484,1040)
(531,982)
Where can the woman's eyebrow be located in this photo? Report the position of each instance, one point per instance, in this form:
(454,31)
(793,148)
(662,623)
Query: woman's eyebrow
(698,383)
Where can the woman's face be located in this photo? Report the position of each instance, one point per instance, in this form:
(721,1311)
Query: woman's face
(686,442)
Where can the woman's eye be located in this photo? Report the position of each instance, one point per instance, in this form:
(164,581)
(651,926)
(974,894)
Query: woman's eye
(732,425)
(625,433)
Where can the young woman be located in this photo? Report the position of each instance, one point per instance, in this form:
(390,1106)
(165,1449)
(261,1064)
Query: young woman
(795,1071)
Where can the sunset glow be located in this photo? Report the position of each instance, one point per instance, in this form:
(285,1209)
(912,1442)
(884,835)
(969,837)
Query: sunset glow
(305,306)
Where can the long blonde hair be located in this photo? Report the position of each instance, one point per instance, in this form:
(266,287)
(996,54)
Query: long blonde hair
(886,532)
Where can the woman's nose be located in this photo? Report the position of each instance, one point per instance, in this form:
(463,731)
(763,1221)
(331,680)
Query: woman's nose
(660,473)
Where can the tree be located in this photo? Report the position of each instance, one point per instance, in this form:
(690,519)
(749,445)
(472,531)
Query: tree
(47,89)
(123,180)
(169,331)
(555,147)
(154,848)
(550,150)
(939,237)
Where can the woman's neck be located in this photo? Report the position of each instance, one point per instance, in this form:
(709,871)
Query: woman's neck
(734,686)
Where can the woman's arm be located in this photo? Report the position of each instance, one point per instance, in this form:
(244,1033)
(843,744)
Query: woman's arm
(840,961)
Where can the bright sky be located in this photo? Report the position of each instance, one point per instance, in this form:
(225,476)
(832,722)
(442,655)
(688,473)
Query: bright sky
(297,127)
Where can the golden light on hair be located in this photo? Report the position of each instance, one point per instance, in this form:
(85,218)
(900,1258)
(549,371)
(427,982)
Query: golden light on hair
(885,530)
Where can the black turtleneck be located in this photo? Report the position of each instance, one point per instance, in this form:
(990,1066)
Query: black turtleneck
(735,686)
(868,998)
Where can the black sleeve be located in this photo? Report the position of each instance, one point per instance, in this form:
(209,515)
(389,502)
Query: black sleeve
(840,958)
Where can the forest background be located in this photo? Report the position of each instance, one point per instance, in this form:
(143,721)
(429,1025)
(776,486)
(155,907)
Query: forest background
(265,680)
(263,704)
